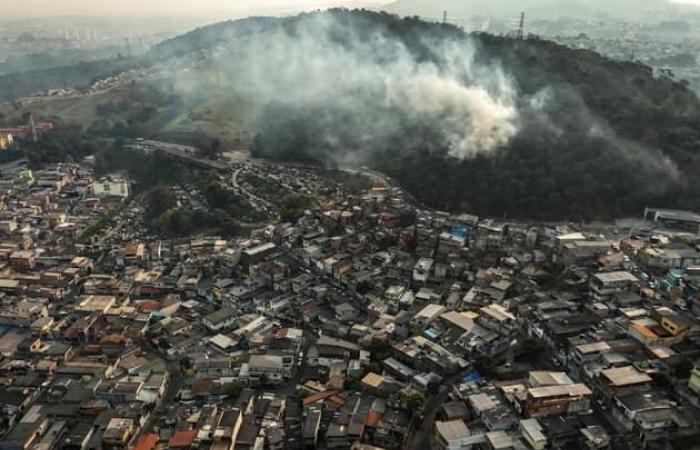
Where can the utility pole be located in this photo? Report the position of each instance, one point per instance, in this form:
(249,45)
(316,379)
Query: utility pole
(521,29)
(32,128)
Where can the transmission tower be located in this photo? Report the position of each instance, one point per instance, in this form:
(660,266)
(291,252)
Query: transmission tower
(444,16)
(521,28)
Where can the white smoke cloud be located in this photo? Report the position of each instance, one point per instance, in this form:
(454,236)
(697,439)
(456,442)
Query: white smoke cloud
(377,83)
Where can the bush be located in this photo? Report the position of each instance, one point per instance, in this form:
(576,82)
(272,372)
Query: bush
(415,402)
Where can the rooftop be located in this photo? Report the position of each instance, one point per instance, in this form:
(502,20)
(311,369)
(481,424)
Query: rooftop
(625,376)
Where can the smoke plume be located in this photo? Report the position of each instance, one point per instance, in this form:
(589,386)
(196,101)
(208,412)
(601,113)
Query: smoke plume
(357,87)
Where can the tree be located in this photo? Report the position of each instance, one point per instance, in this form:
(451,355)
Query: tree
(374,367)
(218,196)
(379,351)
(682,369)
(662,380)
(293,207)
(233,389)
(532,347)
(163,343)
(213,150)
(434,387)
(415,402)
(159,199)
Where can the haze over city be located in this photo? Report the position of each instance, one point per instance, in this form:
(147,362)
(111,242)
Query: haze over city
(37,8)
(349,224)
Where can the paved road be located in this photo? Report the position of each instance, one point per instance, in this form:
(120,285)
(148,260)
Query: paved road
(175,384)
(420,432)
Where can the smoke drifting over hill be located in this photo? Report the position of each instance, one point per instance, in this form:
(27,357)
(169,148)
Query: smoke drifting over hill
(473,122)
(363,89)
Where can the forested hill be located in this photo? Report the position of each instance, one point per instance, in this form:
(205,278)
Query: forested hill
(532,8)
(211,36)
(492,125)
(595,137)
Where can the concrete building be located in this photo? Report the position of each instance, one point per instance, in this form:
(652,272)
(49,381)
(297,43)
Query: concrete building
(452,435)
(557,400)
(604,285)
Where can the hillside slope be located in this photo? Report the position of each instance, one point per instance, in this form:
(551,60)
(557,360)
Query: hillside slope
(593,137)
(466,122)
(533,8)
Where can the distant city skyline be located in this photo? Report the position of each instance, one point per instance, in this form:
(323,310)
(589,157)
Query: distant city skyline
(37,8)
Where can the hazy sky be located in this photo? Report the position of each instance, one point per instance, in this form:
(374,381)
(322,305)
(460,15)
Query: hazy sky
(35,8)
(137,7)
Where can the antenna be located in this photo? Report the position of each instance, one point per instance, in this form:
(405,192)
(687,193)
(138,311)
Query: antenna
(444,16)
(521,29)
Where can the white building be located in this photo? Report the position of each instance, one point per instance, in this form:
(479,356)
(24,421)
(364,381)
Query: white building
(111,188)
(454,435)
(272,367)
(604,285)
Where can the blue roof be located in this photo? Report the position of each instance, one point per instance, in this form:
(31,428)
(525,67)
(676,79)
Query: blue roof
(430,333)
(473,378)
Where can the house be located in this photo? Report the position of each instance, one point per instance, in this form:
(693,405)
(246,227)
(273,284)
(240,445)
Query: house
(606,284)
(427,315)
(221,319)
(532,432)
(146,442)
(310,428)
(23,313)
(627,407)
(495,317)
(23,260)
(108,187)
(694,382)
(6,140)
(258,253)
(557,400)
(452,435)
(661,259)
(182,440)
(582,252)
(95,303)
(118,432)
(344,312)
(275,369)
(674,219)
(134,253)
(622,380)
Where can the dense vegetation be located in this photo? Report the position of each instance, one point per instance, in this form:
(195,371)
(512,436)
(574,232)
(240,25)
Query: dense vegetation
(597,138)
(19,84)
(611,137)
(66,143)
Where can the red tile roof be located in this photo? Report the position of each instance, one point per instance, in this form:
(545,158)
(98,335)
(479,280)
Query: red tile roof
(311,399)
(373,419)
(203,386)
(147,442)
(182,439)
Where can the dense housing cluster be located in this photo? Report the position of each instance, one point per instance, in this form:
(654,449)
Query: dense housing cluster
(366,323)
